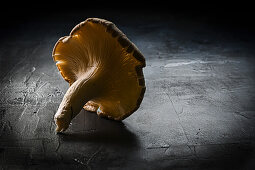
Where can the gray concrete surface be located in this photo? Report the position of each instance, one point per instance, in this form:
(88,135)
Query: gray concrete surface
(198,111)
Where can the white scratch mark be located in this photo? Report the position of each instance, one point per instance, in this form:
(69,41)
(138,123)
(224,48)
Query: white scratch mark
(186,63)
(23,112)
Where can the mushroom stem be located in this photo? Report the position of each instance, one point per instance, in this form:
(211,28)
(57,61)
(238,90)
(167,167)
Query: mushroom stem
(78,94)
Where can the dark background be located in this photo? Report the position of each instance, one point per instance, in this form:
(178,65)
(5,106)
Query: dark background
(237,15)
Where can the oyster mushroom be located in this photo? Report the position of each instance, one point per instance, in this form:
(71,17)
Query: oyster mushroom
(104,71)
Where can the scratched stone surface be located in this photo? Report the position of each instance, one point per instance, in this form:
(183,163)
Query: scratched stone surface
(198,111)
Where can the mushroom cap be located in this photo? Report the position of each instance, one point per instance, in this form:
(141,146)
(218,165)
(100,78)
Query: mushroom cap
(97,49)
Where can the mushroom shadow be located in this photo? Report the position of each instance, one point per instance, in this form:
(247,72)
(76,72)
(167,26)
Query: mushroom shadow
(89,127)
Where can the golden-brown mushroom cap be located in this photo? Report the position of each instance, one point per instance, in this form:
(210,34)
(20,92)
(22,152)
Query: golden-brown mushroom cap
(96,49)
